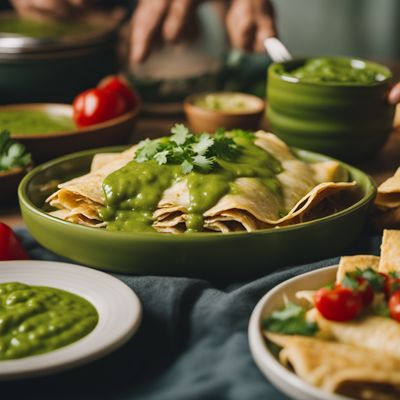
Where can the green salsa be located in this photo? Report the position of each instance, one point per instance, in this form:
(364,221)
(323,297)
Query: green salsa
(43,29)
(230,102)
(38,319)
(336,70)
(34,122)
(133,192)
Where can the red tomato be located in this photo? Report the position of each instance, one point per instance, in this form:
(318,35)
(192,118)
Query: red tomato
(391,285)
(97,105)
(394,305)
(10,246)
(366,291)
(339,303)
(118,85)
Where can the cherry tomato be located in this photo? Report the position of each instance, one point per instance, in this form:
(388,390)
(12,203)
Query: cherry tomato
(394,305)
(366,291)
(339,303)
(97,105)
(10,246)
(391,285)
(118,85)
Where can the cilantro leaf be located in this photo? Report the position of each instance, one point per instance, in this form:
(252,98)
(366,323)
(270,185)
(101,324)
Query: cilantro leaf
(381,309)
(291,321)
(12,153)
(203,162)
(350,282)
(161,157)
(180,134)
(187,167)
(374,278)
(146,150)
(203,145)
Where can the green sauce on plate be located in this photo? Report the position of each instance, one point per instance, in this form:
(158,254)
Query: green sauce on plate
(34,122)
(133,192)
(38,319)
(336,70)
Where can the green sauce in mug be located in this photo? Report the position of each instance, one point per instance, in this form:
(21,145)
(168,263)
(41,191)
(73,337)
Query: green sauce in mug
(336,70)
(39,319)
(34,122)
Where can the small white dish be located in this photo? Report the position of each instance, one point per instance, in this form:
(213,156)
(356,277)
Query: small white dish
(285,380)
(118,307)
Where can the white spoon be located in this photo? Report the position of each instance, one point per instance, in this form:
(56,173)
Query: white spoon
(276,50)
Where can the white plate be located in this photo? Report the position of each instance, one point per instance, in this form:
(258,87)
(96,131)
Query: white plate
(285,380)
(118,307)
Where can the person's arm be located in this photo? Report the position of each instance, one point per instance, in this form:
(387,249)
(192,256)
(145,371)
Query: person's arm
(249,22)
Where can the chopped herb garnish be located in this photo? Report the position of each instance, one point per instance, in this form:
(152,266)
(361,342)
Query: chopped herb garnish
(374,278)
(350,282)
(190,151)
(12,153)
(381,309)
(291,320)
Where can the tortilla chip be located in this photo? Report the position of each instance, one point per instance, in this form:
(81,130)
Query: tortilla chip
(372,332)
(389,192)
(332,366)
(390,251)
(352,263)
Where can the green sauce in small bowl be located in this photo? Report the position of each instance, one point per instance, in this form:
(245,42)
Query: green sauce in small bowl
(26,122)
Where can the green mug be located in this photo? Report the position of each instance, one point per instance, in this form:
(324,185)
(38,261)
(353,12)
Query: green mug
(344,120)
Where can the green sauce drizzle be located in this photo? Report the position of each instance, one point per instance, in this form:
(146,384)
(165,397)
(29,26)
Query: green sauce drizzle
(38,319)
(133,192)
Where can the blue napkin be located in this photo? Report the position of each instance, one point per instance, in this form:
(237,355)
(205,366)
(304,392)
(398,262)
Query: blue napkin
(192,344)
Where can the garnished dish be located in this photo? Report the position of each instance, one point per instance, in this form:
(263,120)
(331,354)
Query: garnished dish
(38,319)
(336,70)
(33,122)
(227,182)
(344,337)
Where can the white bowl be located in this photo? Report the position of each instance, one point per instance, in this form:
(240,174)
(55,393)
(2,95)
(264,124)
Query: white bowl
(285,380)
(118,307)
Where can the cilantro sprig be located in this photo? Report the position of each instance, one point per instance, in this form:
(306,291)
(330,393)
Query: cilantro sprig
(290,320)
(12,153)
(191,152)
(374,278)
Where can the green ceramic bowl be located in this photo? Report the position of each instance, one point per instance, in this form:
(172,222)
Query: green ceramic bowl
(345,121)
(224,256)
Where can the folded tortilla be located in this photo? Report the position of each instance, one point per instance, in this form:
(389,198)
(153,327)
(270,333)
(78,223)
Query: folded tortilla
(251,207)
(341,368)
(387,203)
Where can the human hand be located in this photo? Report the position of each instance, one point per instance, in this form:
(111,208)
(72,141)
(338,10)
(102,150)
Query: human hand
(168,20)
(394,94)
(249,22)
(57,9)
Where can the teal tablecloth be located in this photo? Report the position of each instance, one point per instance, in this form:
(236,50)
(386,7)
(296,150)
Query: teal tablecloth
(192,344)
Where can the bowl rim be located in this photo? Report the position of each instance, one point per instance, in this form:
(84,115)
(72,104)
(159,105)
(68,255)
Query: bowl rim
(45,107)
(272,69)
(189,106)
(262,355)
(24,200)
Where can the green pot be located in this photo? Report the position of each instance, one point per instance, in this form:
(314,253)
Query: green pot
(221,256)
(350,122)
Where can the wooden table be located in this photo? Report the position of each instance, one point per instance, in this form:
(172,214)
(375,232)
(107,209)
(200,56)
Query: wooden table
(379,167)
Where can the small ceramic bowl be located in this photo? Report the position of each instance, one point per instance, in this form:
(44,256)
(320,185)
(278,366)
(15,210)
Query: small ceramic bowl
(202,119)
(47,146)
(347,121)
(9,181)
